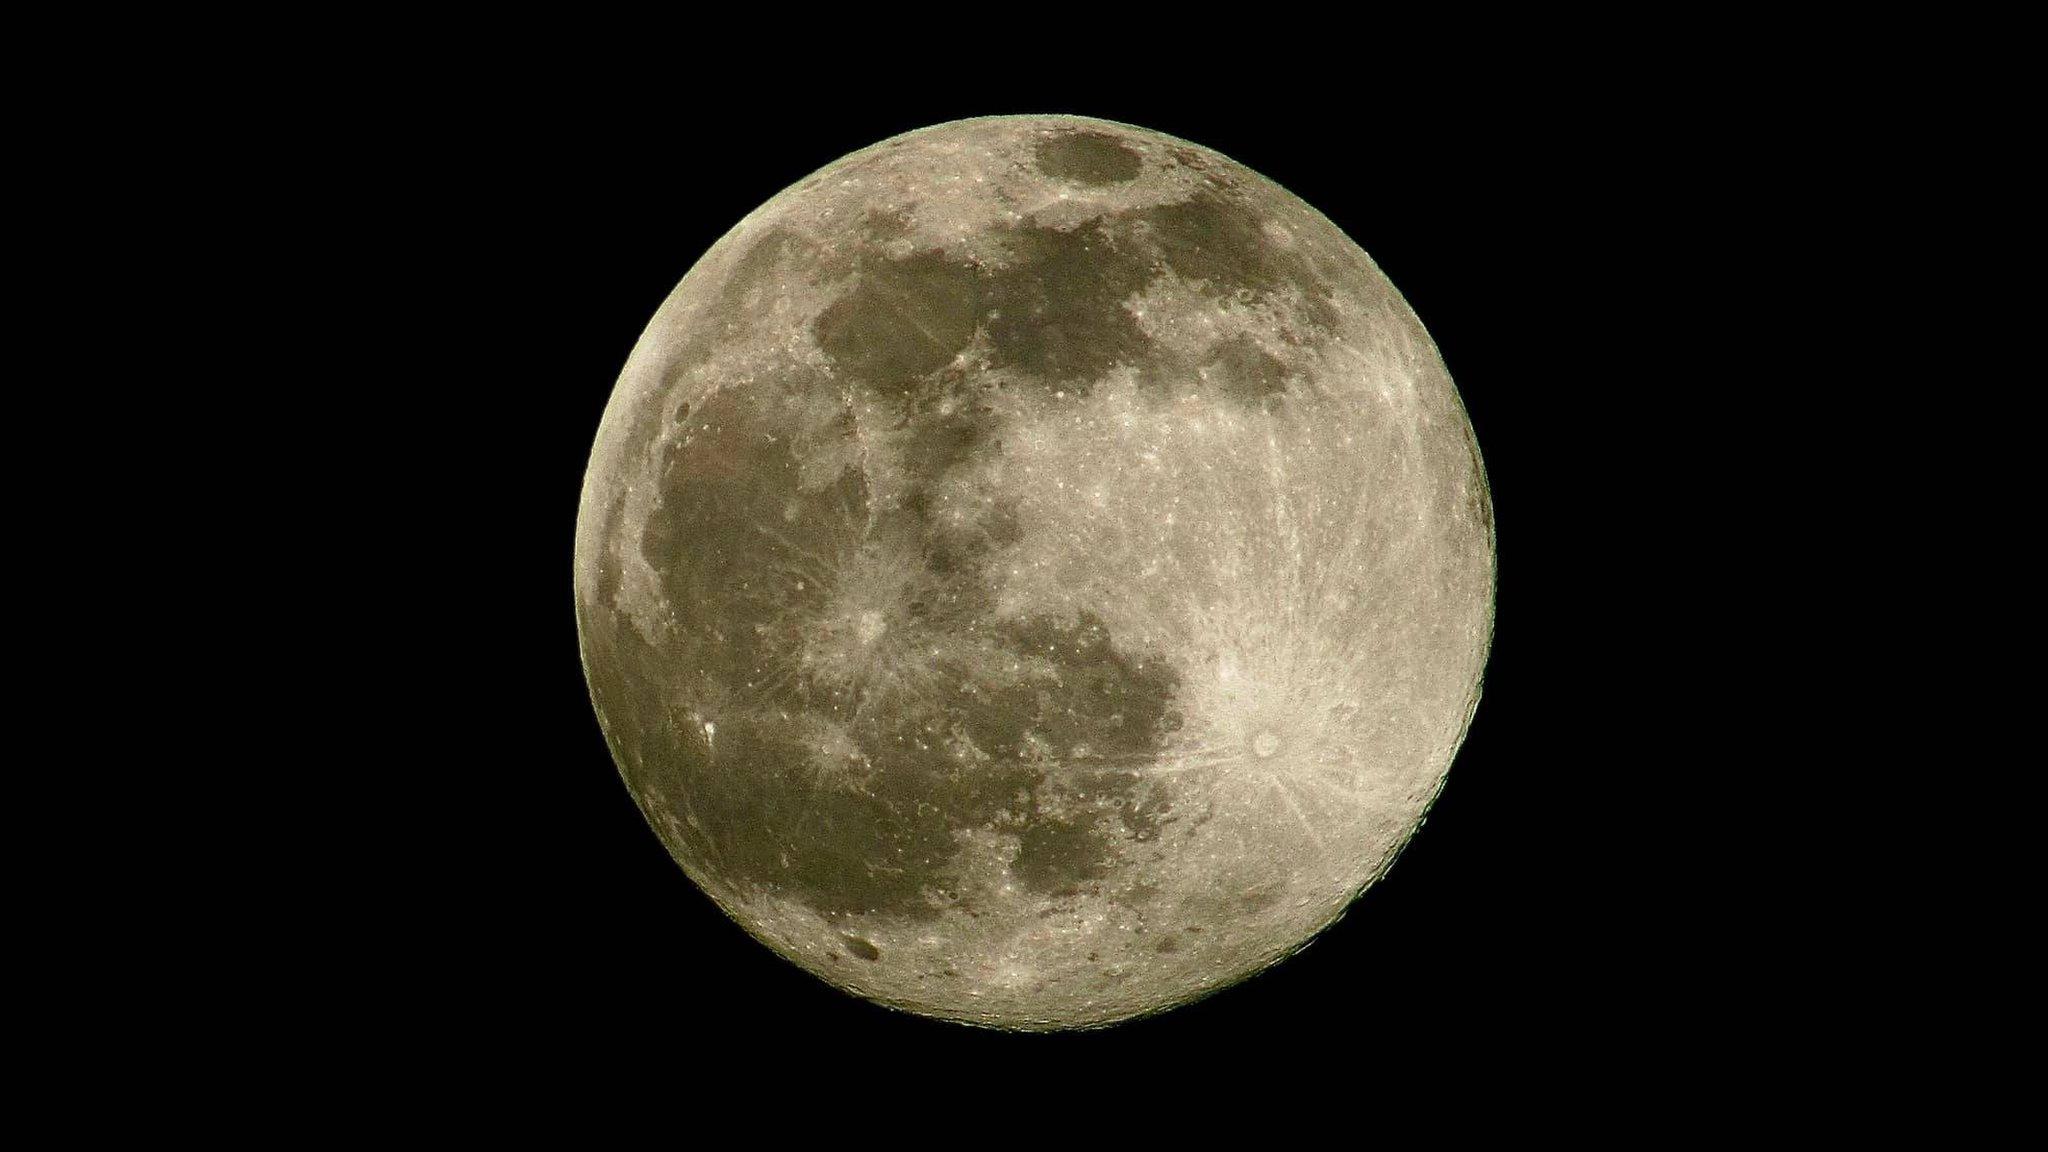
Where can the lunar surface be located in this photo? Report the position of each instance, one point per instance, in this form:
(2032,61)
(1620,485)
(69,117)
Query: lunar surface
(1034,572)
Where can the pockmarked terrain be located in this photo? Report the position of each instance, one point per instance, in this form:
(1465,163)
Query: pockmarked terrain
(1034,571)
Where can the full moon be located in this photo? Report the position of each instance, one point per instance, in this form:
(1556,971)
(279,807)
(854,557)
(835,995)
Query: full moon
(1034,572)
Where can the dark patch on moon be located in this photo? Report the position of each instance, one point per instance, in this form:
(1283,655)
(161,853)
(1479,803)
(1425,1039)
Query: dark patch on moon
(882,226)
(1218,243)
(1056,308)
(904,318)
(1055,857)
(1055,311)
(847,790)
(1246,373)
(1087,158)
(865,949)
(1058,311)
(948,422)
(940,441)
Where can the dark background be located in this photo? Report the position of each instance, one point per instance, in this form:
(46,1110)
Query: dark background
(1556,242)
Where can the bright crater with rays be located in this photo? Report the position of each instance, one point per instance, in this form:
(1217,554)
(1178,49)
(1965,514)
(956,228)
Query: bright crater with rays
(1034,572)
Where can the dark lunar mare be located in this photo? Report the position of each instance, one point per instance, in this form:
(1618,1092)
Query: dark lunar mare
(1092,158)
(1055,309)
(974,746)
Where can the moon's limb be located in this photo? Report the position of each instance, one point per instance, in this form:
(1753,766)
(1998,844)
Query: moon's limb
(1034,571)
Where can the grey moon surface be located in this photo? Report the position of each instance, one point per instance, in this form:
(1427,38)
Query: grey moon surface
(1034,572)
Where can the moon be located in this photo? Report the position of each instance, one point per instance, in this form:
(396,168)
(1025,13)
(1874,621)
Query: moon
(1034,572)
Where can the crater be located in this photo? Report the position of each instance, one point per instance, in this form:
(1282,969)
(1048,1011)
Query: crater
(1246,374)
(1087,158)
(871,627)
(1265,744)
